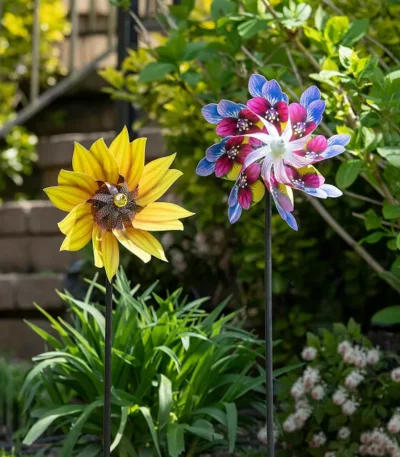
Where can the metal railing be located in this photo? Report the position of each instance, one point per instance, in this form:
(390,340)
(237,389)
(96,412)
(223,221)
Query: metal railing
(121,30)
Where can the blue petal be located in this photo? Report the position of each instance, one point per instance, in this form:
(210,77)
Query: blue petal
(286,216)
(332,151)
(339,140)
(205,168)
(215,151)
(310,95)
(272,92)
(233,196)
(210,113)
(234,213)
(285,98)
(256,83)
(226,108)
(331,191)
(315,111)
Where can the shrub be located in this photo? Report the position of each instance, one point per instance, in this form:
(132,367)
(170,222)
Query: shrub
(346,402)
(179,376)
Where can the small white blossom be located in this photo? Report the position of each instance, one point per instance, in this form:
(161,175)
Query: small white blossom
(349,407)
(311,377)
(373,356)
(289,425)
(309,353)
(393,425)
(395,375)
(340,396)
(344,433)
(318,393)
(262,435)
(330,454)
(297,390)
(344,347)
(318,440)
(354,379)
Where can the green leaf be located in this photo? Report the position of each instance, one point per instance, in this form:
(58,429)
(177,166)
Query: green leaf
(176,439)
(387,316)
(92,450)
(42,424)
(356,31)
(203,429)
(164,401)
(147,415)
(154,71)
(373,238)
(336,28)
(391,211)
(372,220)
(283,370)
(232,421)
(250,28)
(391,154)
(347,173)
(121,428)
(171,354)
(222,8)
(345,56)
(398,241)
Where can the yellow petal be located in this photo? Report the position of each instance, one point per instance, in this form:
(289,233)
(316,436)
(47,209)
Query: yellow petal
(159,189)
(159,226)
(147,242)
(96,238)
(125,239)
(66,197)
(234,173)
(85,162)
(80,212)
(78,227)
(130,157)
(161,211)
(106,160)
(80,180)
(109,253)
(153,172)
(258,191)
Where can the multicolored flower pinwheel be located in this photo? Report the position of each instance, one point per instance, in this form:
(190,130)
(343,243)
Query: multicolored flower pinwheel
(111,196)
(270,139)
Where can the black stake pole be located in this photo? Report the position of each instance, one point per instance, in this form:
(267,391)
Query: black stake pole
(268,328)
(107,371)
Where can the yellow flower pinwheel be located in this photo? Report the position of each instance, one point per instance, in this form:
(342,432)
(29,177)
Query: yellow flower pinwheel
(111,196)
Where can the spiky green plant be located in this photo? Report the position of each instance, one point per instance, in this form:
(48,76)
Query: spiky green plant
(179,376)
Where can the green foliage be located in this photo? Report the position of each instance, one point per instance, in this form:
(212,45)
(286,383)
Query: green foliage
(210,50)
(341,360)
(18,152)
(179,375)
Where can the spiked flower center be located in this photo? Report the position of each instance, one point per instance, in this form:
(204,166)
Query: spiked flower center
(242,181)
(299,129)
(278,147)
(113,206)
(120,200)
(233,153)
(271,115)
(243,125)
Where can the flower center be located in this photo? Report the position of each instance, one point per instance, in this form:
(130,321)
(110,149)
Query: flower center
(242,181)
(300,128)
(120,200)
(232,153)
(271,115)
(243,125)
(278,147)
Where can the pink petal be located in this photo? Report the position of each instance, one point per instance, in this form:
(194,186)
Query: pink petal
(244,151)
(313,180)
(310,127)
(223,166)
(245,197)
(259,105)
(252,173)
(283,111)
(227,127)
(234,141)
(297,113)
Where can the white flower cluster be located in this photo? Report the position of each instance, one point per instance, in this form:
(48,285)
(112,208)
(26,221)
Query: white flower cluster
(344,433)
(354,379)
(309,353)
(358,356)
(310,384)
(341,398)
(395,375)
(318,440)
(378,443)
(262,435)
(393,425)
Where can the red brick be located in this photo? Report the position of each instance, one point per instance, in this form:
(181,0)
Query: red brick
(46,255)
(39,288)
(8,291)
(15,254)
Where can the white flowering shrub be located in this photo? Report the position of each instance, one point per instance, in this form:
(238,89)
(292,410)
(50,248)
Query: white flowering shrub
(345,402)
